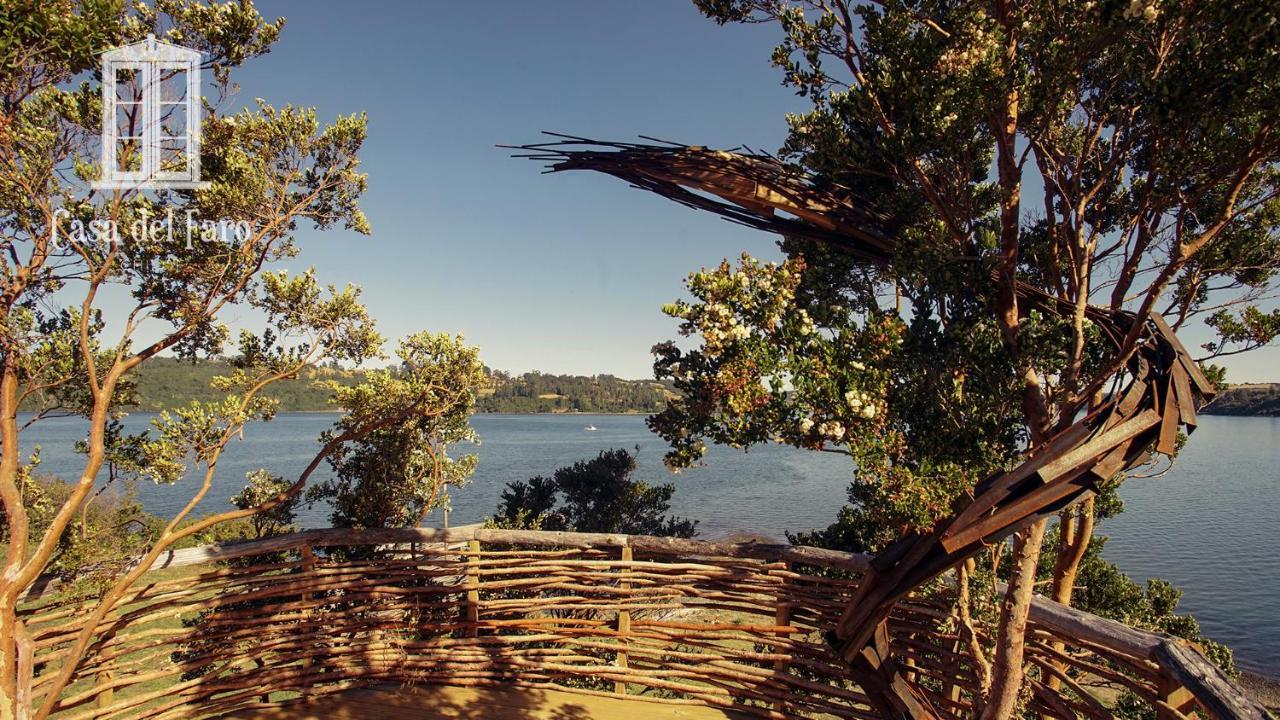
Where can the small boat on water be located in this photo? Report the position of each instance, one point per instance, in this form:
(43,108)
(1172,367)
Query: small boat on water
(590,428)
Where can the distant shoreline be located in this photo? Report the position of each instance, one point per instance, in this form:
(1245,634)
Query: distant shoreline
(1247,400)
(166,382)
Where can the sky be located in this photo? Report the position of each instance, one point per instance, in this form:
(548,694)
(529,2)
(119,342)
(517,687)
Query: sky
(562,273)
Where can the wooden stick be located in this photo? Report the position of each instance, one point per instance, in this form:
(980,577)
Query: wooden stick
(624,619)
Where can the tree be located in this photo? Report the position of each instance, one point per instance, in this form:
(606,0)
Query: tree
(396,475)
(270,169)
(1119,154)
(260,490)
(596,495)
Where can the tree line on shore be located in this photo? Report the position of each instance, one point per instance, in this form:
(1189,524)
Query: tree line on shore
(167,382)
(1247,400)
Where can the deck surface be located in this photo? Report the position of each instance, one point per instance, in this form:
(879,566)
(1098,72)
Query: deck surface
(435,702)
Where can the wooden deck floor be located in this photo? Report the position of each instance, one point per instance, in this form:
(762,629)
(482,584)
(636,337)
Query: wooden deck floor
(435,702)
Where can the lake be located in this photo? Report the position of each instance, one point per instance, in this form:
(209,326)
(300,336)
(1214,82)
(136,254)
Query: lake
(1211,524)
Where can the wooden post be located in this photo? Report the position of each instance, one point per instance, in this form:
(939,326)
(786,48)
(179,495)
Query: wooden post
(957,649)
(472,607)
(782,618)
(876,669)
(624,619)
(308,573)
(264,698)
(107,694)
(1175,695)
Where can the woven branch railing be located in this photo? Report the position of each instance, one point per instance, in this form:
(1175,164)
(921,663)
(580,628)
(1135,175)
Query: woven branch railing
(1155,387)
(218,630)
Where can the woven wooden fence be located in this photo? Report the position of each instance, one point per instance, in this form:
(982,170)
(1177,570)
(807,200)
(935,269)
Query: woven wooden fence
(219,629)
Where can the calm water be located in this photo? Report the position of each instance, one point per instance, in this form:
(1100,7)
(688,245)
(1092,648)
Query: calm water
(1211,525)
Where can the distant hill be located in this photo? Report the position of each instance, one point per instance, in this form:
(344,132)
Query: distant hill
(1259,399)
(165,383)
(537,392)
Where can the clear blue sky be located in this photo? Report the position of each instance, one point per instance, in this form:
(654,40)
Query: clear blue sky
(561,273)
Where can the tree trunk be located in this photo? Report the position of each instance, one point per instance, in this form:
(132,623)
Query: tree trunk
(1075,531)
(968,633)
(15,517)
(8,659)
(1007,672)
(1071,549)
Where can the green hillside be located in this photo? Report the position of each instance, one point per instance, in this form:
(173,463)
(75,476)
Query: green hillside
(1257,399)
(167,382)
(541,393)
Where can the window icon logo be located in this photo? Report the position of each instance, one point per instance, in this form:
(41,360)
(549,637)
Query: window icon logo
(150,117)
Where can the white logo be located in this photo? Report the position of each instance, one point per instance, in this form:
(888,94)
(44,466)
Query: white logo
(150,117)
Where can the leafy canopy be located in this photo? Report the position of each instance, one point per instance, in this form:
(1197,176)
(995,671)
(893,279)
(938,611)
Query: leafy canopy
(1117,153)
(596,495)
(396,473)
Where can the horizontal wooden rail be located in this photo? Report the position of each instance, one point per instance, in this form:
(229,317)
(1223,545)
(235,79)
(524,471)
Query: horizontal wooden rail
(832,559)
(1179,659)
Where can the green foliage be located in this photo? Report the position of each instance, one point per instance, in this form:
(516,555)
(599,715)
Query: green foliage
(399,469)
(305,323)
(931,114)
(596,495)
(276,171)
(268,168)
(262,487)
(908,106)
(113,529)
(65,34)
(803,355)
(1242,331)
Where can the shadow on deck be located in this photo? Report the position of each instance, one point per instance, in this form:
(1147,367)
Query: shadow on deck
(442,702)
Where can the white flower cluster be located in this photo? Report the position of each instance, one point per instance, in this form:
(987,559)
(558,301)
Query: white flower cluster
(806,323)
(831,429)
(860,403)
(680,372)
(1145,9)
(828,429)
(964,56)
(738,304)
(721,326)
